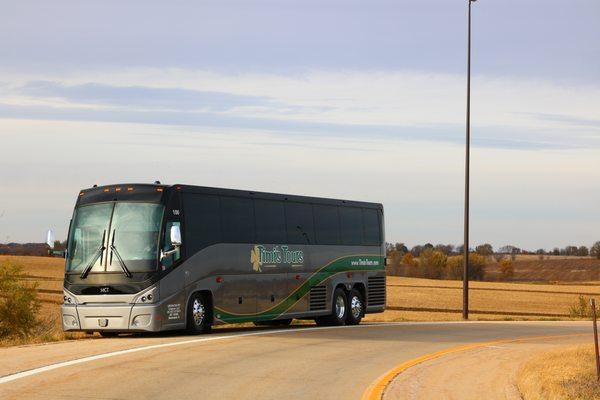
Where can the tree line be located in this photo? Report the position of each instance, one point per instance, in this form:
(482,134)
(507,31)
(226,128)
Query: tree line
(487,249)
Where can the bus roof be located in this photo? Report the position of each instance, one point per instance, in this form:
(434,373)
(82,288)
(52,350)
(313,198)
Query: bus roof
(274,196)
(155,192)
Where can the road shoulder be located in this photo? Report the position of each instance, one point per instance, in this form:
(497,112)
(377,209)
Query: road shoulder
(486,372)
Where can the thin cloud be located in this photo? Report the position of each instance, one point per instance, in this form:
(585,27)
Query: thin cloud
(141,97)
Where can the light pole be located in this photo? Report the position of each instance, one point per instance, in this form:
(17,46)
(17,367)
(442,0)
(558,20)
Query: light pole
(467,165)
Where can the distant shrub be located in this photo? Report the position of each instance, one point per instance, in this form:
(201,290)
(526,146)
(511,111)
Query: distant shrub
(582,308)
(394,259)
(454,267)
(412,265)
(507,270)
(498,257)
(409,259)
(432,264)
(18,302)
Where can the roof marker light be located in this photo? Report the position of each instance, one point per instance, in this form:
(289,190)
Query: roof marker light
(106,190)
(159,189)
(117,189)
(130,189)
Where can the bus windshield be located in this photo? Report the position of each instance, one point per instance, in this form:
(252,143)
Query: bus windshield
(105,236)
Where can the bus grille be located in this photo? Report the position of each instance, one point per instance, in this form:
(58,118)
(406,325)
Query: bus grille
(376,291)
(318,297)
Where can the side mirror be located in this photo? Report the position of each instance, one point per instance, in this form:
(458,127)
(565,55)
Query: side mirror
(50,238)
(175,235)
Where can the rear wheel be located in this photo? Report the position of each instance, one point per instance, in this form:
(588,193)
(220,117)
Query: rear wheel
(339,310)
(356,307)
(199,312)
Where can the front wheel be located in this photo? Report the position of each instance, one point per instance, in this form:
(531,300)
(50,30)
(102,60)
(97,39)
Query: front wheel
(199,312)
(357,308)
(339,310)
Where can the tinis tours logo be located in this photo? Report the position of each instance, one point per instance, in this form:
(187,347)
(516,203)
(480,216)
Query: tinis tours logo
(261,257)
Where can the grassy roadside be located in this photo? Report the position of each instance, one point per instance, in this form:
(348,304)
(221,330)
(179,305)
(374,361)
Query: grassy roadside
(568,374)
(29,313)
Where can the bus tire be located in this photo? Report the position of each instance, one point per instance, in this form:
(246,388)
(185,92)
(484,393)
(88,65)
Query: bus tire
(356,307)
(339,310)
(198,317)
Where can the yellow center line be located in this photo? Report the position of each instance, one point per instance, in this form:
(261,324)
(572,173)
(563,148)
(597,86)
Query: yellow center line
(376,390)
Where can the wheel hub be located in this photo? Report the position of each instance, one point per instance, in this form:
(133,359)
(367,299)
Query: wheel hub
(356,307)
(340,307)
(198,312)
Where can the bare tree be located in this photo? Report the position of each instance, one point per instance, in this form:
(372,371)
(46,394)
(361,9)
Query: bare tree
(583,251)
(447,249)
(595,250)
(571,250)
(485,249)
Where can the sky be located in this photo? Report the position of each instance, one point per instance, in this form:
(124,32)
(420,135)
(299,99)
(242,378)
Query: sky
(344,99)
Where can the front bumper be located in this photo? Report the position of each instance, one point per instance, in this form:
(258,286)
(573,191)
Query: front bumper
(111,317)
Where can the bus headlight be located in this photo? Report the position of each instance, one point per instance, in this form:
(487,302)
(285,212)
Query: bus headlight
(141,320)
(69,298)
(148,297)
(70,321)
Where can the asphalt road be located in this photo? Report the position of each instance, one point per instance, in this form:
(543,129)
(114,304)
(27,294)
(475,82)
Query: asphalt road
(294,363)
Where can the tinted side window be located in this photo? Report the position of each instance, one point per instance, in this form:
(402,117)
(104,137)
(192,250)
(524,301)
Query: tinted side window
(202,223)
(299,223)
(327,224)
(372,227)
(351,225)
(270,221)
(237,220)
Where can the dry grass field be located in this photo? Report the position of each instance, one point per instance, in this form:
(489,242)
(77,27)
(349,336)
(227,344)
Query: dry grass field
(408,299)
(551,268)
(428,299)
(42,267)
(563,374)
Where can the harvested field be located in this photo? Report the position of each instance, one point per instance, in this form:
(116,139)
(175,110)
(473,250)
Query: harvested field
(42,268)
(428,299)
(572,269)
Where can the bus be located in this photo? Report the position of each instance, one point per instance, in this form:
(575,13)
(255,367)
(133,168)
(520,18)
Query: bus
(154,257)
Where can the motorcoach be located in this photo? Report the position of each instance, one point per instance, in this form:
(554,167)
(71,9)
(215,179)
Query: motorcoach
(159,257)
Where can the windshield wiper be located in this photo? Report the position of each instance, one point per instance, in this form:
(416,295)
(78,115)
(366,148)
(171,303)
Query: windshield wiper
(121,262)
(97,254)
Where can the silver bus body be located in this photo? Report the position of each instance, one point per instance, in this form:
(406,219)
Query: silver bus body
(244,278)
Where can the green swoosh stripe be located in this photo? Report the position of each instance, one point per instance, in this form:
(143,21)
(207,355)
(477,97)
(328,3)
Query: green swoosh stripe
(344,264)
